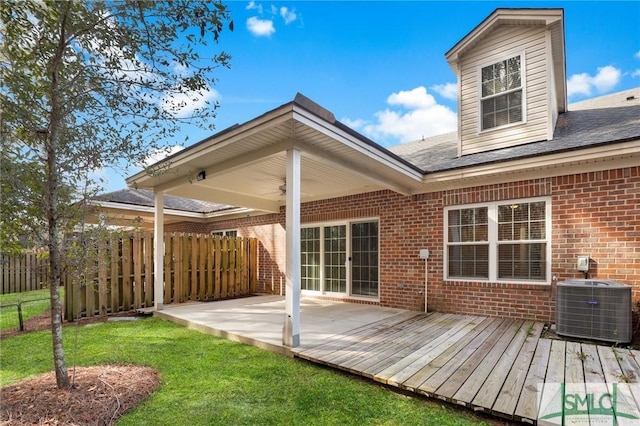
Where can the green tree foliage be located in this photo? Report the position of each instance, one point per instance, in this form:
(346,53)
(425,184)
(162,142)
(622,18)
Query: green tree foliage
(89,84)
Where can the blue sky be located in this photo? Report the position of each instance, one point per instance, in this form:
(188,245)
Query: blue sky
(380,66)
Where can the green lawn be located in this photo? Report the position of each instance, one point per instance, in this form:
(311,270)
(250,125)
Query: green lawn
(211,381)
(33,303)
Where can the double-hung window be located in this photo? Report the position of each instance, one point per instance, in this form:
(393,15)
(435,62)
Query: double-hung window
(502,96)
(232,233)
(501,241)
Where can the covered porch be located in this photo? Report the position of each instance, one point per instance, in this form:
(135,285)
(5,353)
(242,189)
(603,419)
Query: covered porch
(294,154)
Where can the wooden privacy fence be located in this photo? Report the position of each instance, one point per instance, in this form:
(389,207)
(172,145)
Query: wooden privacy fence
(196,267)
(23,272)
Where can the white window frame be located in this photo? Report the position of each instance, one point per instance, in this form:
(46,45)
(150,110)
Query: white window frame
(492,214)
(224,232)
(348,294)
(523,86)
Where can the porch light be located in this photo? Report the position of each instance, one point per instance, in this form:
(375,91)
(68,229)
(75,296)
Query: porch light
(201,175)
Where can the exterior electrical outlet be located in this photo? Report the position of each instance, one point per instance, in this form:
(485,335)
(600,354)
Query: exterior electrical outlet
(583,263)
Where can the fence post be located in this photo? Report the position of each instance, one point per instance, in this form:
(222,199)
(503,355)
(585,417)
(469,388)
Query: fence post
(20,320)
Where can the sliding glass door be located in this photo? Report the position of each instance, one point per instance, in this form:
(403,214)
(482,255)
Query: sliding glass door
(364,259)
(341,258)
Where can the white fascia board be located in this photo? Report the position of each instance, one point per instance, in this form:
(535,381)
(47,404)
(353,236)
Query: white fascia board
(362,147)
(169,212)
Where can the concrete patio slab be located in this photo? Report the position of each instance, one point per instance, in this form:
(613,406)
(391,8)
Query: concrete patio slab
(258,320)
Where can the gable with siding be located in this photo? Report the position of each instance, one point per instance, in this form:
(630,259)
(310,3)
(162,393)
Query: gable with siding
(508,33)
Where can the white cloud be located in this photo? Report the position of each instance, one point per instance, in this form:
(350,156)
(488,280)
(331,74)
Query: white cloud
(160,154)
(253,6)
(447,90)
(418,115)
(185,103)
(605,79)
(637,55)
(260,27)
(579,84)
(636,73)
(358,123)
(288,15)
(415,98)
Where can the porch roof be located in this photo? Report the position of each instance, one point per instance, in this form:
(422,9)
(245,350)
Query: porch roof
(245,165)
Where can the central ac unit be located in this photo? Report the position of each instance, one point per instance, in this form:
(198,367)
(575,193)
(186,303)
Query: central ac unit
(594,309)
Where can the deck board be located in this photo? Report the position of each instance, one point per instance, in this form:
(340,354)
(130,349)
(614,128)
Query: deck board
(445,359)
(491,388)
(322,351)
(462,373)
(373,345)
(527,408)
(472,385)
(495,365)
(506,401)
(368,365)
(409,365)
(387,351)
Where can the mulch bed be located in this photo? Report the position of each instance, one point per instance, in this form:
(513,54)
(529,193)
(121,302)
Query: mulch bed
(99,396)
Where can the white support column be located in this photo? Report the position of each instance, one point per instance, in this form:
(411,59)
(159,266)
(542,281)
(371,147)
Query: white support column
(158,250)
(291,330)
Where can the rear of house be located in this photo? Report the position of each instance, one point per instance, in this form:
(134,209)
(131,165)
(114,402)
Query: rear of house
(486,220)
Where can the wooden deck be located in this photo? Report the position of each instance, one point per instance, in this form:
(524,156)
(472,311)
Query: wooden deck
(487,364)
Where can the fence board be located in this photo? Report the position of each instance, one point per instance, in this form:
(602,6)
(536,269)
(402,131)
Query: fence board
(217,274)
(102,278)
(202,286)
(148,269)
(168,276)
(114,265)
(185,266)
(137,272)
(231,268)
(253,267)
(210,266)
(127,287)
(193,263)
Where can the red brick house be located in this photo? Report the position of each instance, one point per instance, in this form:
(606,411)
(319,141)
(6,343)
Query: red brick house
(504,205)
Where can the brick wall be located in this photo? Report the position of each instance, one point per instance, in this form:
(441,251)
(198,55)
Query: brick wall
(597,214)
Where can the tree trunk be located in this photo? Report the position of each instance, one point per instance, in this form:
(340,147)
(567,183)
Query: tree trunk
(55,259)
(52,187)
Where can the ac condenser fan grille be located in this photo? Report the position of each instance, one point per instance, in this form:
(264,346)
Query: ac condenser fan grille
(594,309)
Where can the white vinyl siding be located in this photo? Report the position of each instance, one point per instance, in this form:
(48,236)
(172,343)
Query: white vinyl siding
(503,43)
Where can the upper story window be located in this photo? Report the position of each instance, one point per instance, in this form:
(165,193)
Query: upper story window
(502,241)
(502,93)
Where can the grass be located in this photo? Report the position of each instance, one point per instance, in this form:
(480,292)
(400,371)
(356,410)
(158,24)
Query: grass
(211,381)
(33,303)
